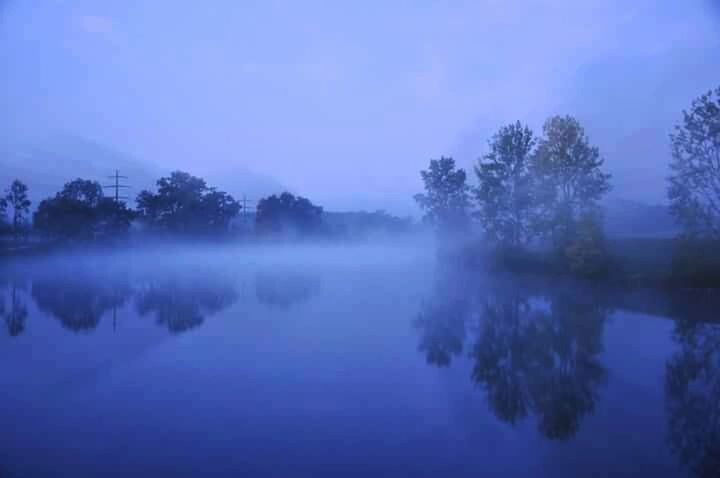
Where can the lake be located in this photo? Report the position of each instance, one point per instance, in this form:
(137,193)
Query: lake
(345,361)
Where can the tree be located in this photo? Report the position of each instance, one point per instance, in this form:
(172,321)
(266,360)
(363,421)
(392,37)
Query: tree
(694,189)
(505,190)
(586,254)
(288,213)
(569,179)
(17,199)
(80,211)
(446,200)
(363,224)
(3,209)
(185,204)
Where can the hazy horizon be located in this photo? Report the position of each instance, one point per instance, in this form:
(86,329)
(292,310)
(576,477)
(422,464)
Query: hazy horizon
(346,104)
(546,314)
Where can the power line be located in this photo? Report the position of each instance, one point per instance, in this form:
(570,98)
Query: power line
(245,202)
(117,186)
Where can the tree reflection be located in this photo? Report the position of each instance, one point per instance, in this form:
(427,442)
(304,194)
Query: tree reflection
(534,352)
(179,297)
(568,389)
(443,320)
(506,353)
(79,296)
(692,387)
(180,300)
(17,313)
(443,330)
(285,288)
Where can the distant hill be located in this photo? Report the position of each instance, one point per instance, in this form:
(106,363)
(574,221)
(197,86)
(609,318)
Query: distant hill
(46,165)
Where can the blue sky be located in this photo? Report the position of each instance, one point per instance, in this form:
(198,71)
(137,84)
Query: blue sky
(345,101)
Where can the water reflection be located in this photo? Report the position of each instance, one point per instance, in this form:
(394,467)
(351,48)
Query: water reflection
(442,325)
(15,313)
(180,300)
(692,386)
(534,351)
(285,288)
(80,295)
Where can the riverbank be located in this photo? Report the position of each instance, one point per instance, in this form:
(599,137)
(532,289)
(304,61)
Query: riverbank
(658,263)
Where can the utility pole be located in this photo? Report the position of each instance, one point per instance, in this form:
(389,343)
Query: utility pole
(245,202)
(117,186)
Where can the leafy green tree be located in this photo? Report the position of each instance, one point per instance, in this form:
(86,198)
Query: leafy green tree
(569,179)
(17,199)
(185,204)
(694,189)
(288,214)
(80,211)
(504,193)
(446,200)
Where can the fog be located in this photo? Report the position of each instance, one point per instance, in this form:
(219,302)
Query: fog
(341,104)
(233,360)
(300,271)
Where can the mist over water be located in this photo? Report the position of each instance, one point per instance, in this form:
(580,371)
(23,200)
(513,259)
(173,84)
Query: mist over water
(309,239)
(320,360)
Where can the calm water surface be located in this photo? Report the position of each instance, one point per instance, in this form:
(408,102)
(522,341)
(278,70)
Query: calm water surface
(354,361)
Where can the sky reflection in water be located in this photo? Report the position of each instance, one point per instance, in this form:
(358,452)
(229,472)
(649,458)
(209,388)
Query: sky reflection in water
(346,361)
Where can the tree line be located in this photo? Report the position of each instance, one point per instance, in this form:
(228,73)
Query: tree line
(182,205)
(547,189)
(531,189)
